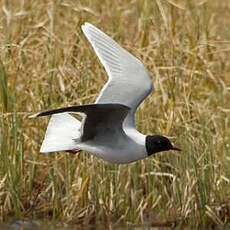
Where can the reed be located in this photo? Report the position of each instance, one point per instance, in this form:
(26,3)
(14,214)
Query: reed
(46,62)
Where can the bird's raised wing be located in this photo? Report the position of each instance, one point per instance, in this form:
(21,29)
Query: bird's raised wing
(129,82)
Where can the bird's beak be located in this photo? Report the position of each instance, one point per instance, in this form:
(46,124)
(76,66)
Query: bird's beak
(175,148)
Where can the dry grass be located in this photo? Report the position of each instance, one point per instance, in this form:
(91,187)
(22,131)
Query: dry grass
(46,62)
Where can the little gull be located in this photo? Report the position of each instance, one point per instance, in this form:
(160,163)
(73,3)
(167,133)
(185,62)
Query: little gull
(108,127)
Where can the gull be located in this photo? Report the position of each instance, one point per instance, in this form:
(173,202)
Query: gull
(107,129)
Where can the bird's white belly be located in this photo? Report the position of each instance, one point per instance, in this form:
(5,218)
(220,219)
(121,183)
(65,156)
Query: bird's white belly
(122,152)
(116,156)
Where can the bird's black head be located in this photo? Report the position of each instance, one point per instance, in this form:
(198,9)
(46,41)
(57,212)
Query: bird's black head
(158,143)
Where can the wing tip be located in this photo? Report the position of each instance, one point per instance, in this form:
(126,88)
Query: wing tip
(34,115)
(85,29)
(89,29)
(85,26)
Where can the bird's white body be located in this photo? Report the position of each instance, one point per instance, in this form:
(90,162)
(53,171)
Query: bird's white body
(63,132)
(129,84)
(117,151)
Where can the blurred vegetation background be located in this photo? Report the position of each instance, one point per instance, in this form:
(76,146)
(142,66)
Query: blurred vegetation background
(46,62)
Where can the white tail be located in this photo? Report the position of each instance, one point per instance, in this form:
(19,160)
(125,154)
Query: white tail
(60,134)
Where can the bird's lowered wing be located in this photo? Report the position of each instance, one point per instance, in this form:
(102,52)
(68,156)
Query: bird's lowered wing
(99,119)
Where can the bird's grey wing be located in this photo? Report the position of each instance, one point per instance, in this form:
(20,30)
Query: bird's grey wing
(99,119)
(129,82)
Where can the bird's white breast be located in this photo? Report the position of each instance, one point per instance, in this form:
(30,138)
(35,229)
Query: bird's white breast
(121,151)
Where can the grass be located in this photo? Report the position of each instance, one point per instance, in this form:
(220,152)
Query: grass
(46,62)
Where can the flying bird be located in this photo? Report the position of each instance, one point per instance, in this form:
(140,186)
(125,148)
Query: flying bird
(107,129)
